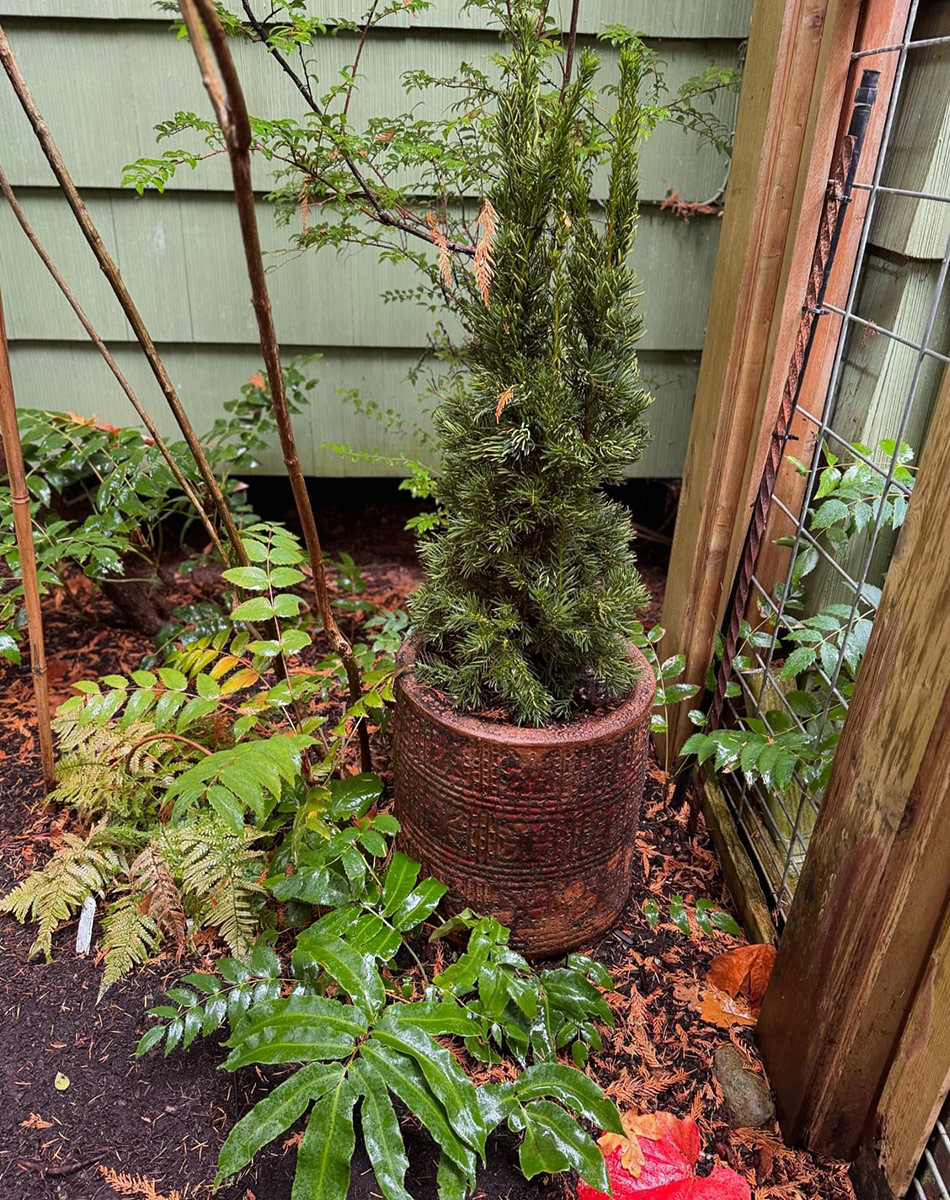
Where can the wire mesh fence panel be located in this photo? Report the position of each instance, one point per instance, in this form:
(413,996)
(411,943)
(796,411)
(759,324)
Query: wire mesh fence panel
(795,634)
(933,1176)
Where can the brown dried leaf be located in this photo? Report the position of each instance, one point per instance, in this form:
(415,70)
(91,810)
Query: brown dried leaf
(743,972)
(445,262)
(503,399)
(484,264)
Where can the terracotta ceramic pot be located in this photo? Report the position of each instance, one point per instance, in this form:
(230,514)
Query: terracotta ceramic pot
(534,826)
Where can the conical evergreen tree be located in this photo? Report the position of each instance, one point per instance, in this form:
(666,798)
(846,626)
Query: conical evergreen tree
(531,583)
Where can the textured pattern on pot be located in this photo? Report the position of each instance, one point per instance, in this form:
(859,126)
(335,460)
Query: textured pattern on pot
(533,826)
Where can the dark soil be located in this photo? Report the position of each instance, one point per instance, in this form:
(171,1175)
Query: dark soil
(164,1119)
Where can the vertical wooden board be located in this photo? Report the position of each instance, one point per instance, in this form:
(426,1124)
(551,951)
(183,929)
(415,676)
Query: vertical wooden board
(874,886)
(796,74)
(919,1079)
(881,23)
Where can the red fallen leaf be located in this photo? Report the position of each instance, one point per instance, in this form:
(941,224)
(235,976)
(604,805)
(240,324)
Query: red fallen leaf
(657,1161)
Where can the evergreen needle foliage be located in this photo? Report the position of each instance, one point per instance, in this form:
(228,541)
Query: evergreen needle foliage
(531,584)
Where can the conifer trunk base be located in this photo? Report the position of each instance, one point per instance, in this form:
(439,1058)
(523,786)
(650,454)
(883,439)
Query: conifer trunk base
(533,826)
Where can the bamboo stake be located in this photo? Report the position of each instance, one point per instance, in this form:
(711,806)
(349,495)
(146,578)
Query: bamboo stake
(223,86)
(112,274)
(113,366)
(22,521)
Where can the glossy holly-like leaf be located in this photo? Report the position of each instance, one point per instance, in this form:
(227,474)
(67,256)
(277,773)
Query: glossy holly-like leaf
(354,970)
(553,1142)
(295,1029)
(381,1134)
(399,881)
(446,1079)
(573,1088)
(323,1160)
(274,1115)
(404,1078)
(353,796)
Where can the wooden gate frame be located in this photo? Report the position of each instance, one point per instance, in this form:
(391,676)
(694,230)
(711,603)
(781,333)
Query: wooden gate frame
(855,1029)
(854,1026)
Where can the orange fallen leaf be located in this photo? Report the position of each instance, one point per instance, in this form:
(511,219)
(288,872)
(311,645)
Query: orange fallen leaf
(743,972)
(719,1008)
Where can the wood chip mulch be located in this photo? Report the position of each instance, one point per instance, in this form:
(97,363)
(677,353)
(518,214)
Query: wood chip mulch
(165,1119)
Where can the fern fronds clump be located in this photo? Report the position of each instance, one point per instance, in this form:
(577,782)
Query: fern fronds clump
(219,872)
(129,937)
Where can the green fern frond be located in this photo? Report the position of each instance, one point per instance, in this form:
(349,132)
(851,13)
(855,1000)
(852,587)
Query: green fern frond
(102,769)
(56,892)
(218,869)
(129,936)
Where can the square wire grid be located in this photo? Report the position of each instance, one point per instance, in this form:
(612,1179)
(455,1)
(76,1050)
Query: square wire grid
(777,824)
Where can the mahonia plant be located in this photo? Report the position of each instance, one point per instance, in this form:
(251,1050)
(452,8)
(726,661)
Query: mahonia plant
(362,1032)
(185,774)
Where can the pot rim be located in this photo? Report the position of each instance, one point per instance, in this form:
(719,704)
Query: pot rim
(581,730)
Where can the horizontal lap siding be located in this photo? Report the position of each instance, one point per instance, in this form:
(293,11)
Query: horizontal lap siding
(105,80)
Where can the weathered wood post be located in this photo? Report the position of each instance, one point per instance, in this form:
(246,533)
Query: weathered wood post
(856,970)
(797,74)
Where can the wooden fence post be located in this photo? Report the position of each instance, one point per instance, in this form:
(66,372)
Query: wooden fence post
(796,76)
(874,890)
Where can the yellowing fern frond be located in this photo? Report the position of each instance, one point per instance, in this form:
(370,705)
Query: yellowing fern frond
(102,770)
(218,869)
(486,227)
(129,936)
(57,890)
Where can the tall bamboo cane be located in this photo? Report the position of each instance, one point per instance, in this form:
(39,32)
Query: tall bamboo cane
(112,274)
(22,521)
(227,100)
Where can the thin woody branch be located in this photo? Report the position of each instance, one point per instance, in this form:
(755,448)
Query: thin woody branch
(227,98)
(378,213)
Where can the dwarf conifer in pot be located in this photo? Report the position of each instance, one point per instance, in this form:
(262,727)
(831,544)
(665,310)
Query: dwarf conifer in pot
(531,586)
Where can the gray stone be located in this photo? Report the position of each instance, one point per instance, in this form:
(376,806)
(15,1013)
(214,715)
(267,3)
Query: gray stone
(747,1098)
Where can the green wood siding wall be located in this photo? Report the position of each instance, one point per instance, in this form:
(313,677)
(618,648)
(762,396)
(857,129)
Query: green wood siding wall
(104,72)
